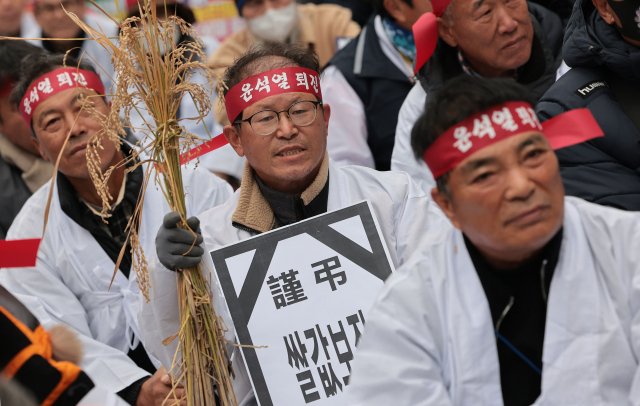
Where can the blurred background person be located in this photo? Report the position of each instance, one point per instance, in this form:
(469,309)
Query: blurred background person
(487,39)
(321,28)
(367,81)
(15,21)
(224,162)
(49,374)
(22,169)
(54,23)
(602,45)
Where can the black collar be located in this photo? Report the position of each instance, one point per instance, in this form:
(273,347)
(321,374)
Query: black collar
(289,208)
(497,283)
(83,216)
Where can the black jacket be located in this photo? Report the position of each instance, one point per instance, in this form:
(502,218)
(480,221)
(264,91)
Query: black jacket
(13,194)
(381,86)
(604,170)
(538,73)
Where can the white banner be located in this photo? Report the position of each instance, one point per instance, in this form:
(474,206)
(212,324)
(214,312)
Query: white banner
(304,291)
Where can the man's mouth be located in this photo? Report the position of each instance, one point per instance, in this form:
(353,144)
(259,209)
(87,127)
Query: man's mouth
(290,152)
(78,148)
(530,216)
(513,43)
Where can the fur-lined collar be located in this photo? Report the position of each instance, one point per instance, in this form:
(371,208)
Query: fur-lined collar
(253,210)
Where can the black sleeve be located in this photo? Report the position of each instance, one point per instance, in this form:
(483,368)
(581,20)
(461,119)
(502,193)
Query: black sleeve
(130,393)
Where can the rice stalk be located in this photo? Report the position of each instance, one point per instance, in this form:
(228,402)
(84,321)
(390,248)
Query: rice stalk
(148,79)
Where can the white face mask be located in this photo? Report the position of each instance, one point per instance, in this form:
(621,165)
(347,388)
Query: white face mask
(276,24)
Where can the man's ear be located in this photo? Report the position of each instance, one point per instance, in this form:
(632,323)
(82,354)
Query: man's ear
(326,114)
(446,205)
(233,137)
(39,148)
(445,31)
(396,10)
(605,11)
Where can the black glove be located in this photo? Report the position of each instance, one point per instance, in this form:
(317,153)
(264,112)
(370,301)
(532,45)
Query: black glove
(173,243)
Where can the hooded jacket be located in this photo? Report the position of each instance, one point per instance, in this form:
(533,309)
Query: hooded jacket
(538,74)
(605,170)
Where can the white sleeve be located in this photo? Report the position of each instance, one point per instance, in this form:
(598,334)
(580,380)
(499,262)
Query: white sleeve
(400,354)
(402,158)
(159,319)
(347,139)
(42,290)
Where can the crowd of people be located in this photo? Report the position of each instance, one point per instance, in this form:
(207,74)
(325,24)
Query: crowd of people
(497,141)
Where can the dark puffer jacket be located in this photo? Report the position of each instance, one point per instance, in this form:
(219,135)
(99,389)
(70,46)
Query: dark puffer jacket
(604,170)
(538,74)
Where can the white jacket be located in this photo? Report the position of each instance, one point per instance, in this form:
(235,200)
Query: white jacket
(430,341)
(70,282)
(407,217)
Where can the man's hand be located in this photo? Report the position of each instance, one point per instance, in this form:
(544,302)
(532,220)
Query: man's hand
(156,389)
(175,246)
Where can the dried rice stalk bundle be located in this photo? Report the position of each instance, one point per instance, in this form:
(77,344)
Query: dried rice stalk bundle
(148,78)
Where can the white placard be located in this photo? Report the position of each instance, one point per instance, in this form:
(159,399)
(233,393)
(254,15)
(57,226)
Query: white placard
(304,291)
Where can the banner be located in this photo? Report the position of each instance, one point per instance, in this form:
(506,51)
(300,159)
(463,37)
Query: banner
(215,18)
(304,291)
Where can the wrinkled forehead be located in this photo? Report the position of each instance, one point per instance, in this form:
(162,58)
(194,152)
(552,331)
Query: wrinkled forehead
(504,152)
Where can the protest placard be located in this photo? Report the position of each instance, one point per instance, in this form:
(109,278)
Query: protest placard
(304,291)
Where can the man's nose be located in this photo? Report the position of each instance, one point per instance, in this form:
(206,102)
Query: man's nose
(76,124)
(506,22)
(286,128)
(519,184)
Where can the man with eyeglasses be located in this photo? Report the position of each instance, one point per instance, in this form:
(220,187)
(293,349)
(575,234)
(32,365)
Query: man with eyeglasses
(55,23)
(280,124)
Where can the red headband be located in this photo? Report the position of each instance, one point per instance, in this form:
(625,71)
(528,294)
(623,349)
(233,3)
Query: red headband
(270,83)
(55,82)
(501,122)
(425,33)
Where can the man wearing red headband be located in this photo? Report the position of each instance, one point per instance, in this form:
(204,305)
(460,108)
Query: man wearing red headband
(72,280)
(280,124)
(479,38)
(533,297)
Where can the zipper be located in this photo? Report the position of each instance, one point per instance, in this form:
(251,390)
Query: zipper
(542,281)
(504,313)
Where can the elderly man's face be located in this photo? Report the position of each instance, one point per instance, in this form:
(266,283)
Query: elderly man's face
(10,15)
(494,35)
(288,159)
(62,114)
(54,21)
(507,198)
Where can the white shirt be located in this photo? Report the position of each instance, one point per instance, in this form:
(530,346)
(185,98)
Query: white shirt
(347,140)
(70,282)
(407,217)
(430,340)
(402,158)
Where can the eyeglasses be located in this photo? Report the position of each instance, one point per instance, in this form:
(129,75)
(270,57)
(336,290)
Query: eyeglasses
(265,122)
